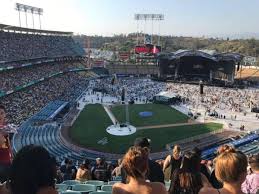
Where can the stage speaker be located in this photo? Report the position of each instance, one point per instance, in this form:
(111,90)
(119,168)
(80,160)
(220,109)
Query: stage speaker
(201,88)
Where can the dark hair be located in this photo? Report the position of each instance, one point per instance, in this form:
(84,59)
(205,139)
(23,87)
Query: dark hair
(254,162)
(195,157)
(197,151)
(85,164)
(2,107)
(66,161)
(32,169)
(142,142)
(186,179)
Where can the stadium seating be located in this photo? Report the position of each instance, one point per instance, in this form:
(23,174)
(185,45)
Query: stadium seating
(98,184)
(70,192)
(61,187)
(19,46)
(85,188)
(106,188)
(113,182)
(71,182)
(210,153)
(101,192)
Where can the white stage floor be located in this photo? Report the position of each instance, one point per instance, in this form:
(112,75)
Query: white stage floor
(121,131)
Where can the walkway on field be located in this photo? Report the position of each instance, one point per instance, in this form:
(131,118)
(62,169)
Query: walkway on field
(110,114)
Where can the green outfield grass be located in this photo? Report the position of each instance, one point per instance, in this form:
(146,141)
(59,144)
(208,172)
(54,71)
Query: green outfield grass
(90,127)
(162,114)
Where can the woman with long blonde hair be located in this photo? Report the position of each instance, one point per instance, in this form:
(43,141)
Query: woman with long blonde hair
(231,170)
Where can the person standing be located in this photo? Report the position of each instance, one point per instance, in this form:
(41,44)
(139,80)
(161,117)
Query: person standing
(172,162)
(155,173)
(5,148)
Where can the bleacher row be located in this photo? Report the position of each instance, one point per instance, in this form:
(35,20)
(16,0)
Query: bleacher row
(246,141)
(48,110)
(91,186)
(48,135)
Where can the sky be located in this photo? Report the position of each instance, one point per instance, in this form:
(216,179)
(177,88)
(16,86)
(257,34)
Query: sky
(109,17)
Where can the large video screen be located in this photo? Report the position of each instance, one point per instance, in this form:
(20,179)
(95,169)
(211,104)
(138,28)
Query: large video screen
(147,49)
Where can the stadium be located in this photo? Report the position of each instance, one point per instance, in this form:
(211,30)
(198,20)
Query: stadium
(54,97)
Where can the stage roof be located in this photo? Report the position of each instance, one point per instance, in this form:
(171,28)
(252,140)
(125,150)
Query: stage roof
(208,54)
(5,27)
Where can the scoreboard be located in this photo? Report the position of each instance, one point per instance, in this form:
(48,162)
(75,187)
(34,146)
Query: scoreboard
(148,49)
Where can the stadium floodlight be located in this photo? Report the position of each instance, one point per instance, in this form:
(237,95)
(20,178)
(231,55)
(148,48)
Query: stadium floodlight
(27,8)
(149,17)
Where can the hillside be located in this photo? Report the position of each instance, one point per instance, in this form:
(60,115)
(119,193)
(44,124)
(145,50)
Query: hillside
(248,47)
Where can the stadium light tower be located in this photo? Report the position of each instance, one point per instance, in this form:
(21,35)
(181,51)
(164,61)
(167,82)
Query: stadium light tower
(27,8)
(152,18)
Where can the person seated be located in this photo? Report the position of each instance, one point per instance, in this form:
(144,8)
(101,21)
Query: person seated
(117,171)
(251,184)
(188,179)
(83,172)
(231,170)
(33,171)
(135,163)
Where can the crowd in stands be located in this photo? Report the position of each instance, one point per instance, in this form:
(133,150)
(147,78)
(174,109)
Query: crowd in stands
(17,77)
(22,105)
(19,46)
(34,171)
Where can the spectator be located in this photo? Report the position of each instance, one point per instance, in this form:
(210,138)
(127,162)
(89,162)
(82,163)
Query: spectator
(231,170)
(201,167)
(172,162)
(33,171)
(84,173)
(23,104)
(4,189)
(117,171)
(59,176)
(155,173)
(213,179)
(5,147)
(67,170)
(135,163)
(251,184)
(188,179)
(100,170)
